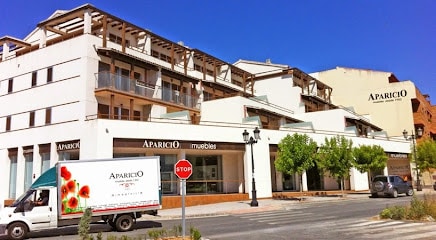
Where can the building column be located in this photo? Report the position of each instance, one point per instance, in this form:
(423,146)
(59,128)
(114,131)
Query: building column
(42,37)
(37,163)
(20,171)
(5,51)
(304,183)
(87,22)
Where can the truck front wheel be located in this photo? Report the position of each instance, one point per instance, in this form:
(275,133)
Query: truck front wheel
(124,223)
(17,231)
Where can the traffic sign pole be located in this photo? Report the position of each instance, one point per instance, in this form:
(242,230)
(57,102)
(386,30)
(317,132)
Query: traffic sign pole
(183,170)
(183,208)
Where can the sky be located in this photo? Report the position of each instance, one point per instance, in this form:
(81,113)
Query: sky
(397,36)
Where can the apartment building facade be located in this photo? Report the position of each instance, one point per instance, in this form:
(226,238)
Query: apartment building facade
(88,85)
(394,105)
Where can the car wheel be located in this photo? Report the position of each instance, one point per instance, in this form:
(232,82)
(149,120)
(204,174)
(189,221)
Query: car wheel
(124,223)
(395,193)
(378,186)
(409,192)
(17,231)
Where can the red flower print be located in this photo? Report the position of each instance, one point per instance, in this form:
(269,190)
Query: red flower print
(84,191)
(65,173)
(72,202)
(71,186)
(64,191)
(63,207)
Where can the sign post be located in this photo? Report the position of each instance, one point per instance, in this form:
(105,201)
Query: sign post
(183,170)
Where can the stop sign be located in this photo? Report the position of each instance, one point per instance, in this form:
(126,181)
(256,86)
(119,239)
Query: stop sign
(183,169)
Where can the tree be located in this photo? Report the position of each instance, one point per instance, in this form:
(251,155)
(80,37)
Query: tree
(296,154)
(335,157)
(426,155)
(369,158)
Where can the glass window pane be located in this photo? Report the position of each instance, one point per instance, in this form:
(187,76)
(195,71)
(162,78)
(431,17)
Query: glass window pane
(13,177)
(28,170)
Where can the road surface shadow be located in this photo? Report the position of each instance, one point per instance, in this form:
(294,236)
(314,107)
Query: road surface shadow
(95,228)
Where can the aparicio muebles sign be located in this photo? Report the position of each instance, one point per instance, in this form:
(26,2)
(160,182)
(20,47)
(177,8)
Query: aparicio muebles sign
(175,144)
(381,97)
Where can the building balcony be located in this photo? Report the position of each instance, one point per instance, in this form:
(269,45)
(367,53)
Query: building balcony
(144,90)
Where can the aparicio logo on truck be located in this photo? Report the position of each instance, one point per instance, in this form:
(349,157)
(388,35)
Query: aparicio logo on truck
(116,190)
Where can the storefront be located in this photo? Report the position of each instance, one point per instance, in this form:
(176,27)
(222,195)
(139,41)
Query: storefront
(217,166)
(399,164)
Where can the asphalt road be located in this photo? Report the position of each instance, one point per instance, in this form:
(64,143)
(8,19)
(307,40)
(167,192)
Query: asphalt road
(350,219)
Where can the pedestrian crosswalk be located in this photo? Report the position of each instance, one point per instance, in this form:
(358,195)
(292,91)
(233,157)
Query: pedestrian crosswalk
(349,228)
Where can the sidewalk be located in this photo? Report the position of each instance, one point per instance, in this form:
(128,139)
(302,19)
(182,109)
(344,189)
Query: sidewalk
(237,207)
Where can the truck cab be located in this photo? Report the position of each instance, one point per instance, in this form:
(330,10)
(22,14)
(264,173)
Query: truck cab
(28,213)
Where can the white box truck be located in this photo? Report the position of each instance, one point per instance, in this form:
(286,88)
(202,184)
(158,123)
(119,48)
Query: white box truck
(118,191)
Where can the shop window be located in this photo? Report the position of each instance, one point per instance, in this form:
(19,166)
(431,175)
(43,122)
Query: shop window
(34,78)
(168,178)
(68,155)
(28,168)
(206,176)
(44,150)
(13,174)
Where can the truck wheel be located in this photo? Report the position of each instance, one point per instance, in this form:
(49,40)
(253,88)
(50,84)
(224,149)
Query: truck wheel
(17,231)
(124,223)
(395,193)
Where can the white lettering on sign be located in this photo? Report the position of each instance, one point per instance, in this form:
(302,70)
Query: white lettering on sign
(68,146)
(398,155)
(203,146)
(183,169)
(161,144)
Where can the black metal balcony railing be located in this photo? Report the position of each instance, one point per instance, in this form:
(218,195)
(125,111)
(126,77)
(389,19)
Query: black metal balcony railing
(143,89)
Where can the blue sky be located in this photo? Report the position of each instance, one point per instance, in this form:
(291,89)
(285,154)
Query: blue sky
(396,36)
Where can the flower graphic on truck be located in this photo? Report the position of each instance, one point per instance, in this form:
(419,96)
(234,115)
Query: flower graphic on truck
(72,194)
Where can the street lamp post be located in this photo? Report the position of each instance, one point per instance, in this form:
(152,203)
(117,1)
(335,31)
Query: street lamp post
(251,141)
(413,139)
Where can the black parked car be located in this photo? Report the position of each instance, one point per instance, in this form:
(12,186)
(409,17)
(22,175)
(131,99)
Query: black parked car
(390,185)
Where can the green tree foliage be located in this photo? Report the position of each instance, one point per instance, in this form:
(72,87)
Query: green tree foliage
(336,157)
(296,154)
(426,155)
(369,158)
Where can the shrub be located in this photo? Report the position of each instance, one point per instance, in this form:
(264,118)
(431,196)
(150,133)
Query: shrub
(195,234)
(84,227)
(417,210)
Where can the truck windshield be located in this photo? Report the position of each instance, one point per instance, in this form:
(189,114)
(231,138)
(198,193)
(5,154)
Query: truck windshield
(23,197)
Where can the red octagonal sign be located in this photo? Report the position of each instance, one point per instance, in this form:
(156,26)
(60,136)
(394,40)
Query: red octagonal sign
(183,169)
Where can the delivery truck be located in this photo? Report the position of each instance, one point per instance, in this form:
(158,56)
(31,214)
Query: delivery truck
(117,191)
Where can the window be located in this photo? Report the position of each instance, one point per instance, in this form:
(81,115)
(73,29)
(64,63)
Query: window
(206,175)
(13,173)
(10,85)
(45,161)
(28,167)
(32,119)
(34,77)
(48,116)
(8,123)
(49,75)
(169,181)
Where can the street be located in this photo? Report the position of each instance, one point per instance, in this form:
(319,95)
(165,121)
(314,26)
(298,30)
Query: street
(348,219)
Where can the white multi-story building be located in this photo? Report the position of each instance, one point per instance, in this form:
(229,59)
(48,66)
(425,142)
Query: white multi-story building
(88,85)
